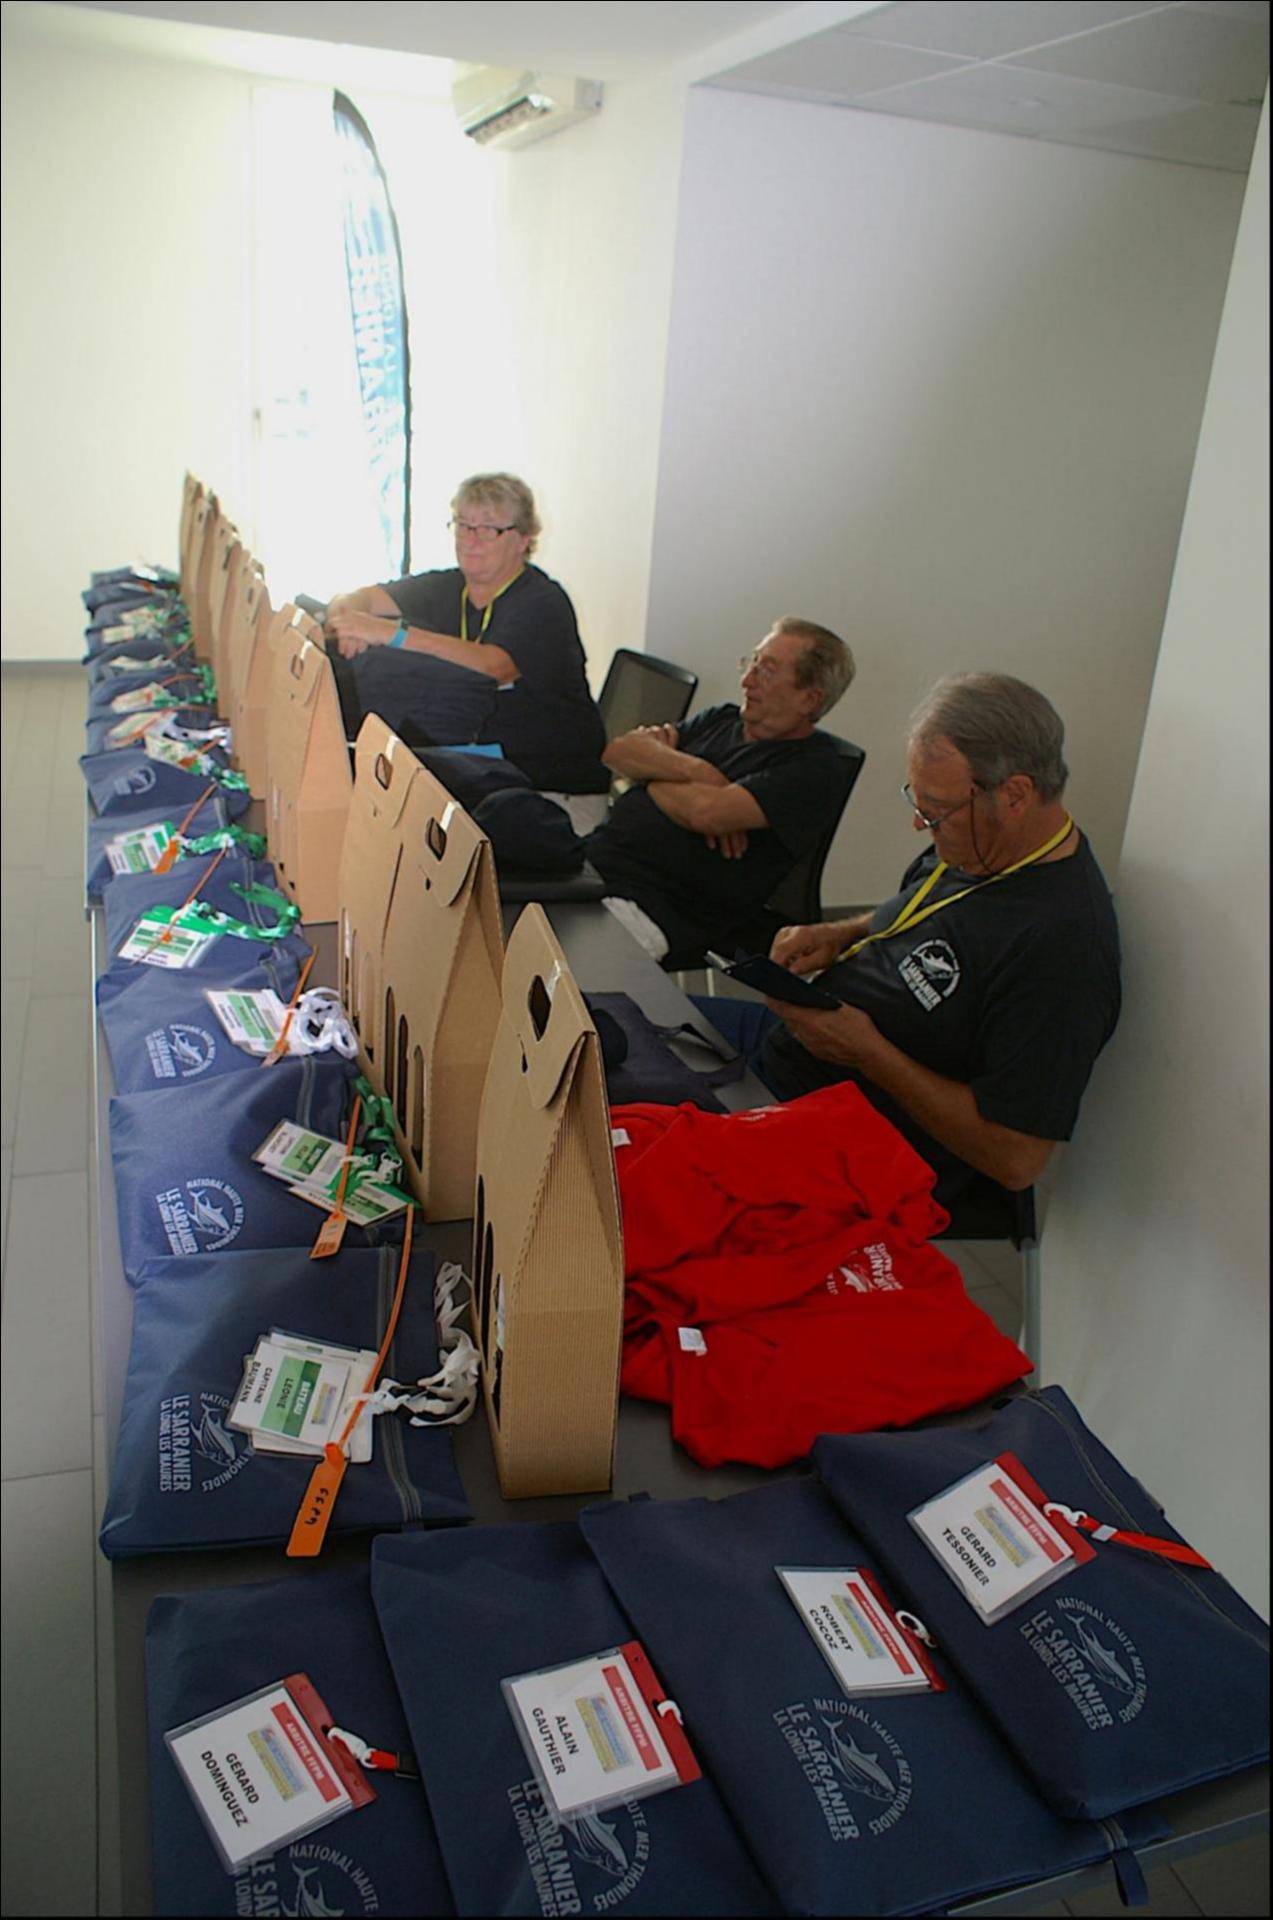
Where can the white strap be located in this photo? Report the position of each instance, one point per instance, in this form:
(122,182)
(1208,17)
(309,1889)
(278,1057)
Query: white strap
(448,1397)
(321,1025)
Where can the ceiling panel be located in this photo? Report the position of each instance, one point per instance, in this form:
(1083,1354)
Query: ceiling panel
(839,63)
(1200,136)
(1177,50)
(988,29)
(1039,105)
(1189,76)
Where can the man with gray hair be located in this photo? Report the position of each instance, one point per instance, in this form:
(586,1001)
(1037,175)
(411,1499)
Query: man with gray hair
(719,808)
(977,999)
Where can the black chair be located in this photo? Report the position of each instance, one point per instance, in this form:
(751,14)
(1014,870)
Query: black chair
(642,691)
(987,1211)
(797,900)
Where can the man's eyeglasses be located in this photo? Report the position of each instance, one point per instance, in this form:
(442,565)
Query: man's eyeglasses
(934,820)
(759,664)
(476,531)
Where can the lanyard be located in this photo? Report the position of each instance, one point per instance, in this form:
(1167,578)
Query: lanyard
(1143,1542)
(486,611)
(914,911)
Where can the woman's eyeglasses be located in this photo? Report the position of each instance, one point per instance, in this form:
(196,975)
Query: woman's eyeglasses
(477,531)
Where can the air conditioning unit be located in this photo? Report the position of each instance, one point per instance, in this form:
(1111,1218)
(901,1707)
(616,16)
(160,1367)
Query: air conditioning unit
(504,107)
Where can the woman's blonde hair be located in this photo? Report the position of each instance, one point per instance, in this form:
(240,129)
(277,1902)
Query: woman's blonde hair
(506,495)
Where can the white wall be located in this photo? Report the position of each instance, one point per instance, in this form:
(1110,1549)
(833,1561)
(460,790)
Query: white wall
(941,391)
(1156,1254)
(539,285)
(125,316)
(538,281)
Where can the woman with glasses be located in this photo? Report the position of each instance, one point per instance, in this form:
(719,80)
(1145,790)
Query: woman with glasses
(487,651)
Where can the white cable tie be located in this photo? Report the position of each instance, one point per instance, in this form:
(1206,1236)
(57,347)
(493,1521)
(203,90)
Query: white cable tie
(664,1707)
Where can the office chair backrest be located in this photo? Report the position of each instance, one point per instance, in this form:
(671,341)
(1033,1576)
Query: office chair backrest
(798,900)
(642,691)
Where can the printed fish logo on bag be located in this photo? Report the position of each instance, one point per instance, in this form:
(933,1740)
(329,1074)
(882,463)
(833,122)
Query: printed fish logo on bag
(203,1218)
(847,1756)
(1091,1659)
(588,1864)
(307,1880)
(140,780)
(180,1051)
(192,1429)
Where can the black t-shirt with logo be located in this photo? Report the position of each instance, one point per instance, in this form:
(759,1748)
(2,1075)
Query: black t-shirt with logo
(546,721)
(1013,991)
(691,891)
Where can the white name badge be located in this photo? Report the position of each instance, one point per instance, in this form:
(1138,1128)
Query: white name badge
(139,850)
(294,1153)
(262,1773)
(297,1396)
(173,753)
(600,1731)
(990,1533)
(858,1633)
(160,942)
(252,1019)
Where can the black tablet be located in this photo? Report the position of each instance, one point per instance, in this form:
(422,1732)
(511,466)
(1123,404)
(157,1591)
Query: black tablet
(767,977)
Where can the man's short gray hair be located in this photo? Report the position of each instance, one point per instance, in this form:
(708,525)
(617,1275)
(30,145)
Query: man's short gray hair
(1000,725)
(504,494)
(826,663)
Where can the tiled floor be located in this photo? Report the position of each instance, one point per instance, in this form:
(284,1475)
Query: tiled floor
(50,1784)
(49,1659)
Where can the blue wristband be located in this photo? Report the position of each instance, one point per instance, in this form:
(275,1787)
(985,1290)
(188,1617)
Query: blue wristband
(400,637)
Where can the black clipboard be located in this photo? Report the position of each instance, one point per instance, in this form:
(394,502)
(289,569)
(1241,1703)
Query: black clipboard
(767,977)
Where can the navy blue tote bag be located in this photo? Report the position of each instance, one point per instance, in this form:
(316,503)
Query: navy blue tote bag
(204,1650)
(101,655)
(1128,1679)
(185,1179)
(901,1804)
(117,780)
(105,687)
(212,817)
(427,701)
(130,895)
(182,1478)
(99,727)
(161,1031)
(459,1614)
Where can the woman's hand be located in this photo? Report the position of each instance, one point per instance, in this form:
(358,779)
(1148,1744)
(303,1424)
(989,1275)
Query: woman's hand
(355,632)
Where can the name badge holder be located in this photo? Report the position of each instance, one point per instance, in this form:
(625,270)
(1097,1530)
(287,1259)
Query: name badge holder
(264,1772)
(161,940)
(999,1538)
(869,1646)
(600,1731)
(140,850)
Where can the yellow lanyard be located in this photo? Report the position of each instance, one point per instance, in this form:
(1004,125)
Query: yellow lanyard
(486,614)
(914,911)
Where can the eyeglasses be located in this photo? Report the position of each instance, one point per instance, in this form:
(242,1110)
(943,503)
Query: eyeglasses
(477,531)
(934,820)
(760,665)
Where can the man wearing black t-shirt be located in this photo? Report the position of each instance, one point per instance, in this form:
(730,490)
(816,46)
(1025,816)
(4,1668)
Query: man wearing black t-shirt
(979,997)
(728,801)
